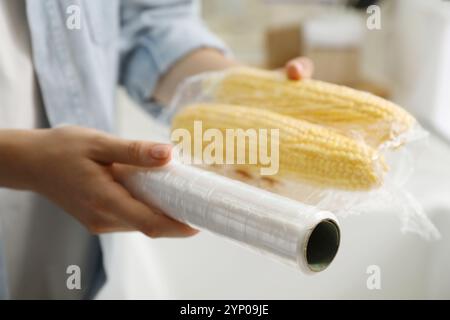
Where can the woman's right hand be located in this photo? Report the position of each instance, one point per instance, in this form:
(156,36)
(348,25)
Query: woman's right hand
(73,167)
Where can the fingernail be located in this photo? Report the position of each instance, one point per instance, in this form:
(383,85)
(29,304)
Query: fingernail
(160,151)
(295,71)
(300,68)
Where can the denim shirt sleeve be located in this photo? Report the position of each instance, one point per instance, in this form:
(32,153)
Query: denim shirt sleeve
(154,35)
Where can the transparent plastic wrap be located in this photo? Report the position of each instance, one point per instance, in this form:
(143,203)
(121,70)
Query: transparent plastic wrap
(291,232)
(357,114)
(339,149)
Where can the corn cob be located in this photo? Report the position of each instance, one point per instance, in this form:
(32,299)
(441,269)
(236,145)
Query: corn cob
(354,113)
(307,152)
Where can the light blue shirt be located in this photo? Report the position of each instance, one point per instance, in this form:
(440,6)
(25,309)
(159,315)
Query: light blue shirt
(119,42)
(128,42)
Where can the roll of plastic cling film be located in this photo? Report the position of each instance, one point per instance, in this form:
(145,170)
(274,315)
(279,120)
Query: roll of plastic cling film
(291,232)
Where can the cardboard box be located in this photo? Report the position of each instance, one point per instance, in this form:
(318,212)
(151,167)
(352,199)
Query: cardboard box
(332,64)
(282,44)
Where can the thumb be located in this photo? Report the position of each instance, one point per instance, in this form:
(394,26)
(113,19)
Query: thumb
(132,152)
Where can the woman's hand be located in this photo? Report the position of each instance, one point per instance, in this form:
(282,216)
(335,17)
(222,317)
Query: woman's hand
(73,167)
(203,60)
(299,68)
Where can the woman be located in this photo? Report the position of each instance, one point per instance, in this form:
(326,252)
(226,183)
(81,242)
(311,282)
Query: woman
(53,74)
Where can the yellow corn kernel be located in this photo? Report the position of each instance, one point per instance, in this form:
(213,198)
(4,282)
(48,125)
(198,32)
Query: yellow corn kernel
(307,152)
(354,113)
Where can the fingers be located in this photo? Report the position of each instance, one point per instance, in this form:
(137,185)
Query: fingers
(117,202)
(131,152)
(105,223)
(299,68)
(120,172)
(142,218)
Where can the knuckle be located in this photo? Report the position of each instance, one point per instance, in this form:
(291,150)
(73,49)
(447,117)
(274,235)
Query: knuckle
(134,150)
(152,232)
(96,139)
(65,128)
(81,139)
(67,131)
(64,132)
(96,143)
(97,205)
(96,226)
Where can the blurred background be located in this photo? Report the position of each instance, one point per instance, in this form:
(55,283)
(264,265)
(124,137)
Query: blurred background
(399,50)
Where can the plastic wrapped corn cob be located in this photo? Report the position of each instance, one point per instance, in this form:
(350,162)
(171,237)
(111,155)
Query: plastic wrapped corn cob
(356,114)
(308,152)
(337,148)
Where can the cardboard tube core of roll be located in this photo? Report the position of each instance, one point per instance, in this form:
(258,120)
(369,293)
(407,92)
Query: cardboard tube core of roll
(322,245)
